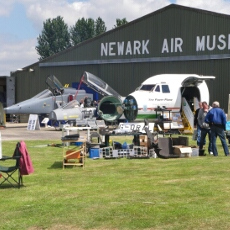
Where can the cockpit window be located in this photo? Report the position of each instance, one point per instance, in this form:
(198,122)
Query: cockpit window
(72,104)
(165,89)
(157,89)
(147,87)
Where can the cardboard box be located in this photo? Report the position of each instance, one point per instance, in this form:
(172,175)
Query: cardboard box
(183,151)
(143,140)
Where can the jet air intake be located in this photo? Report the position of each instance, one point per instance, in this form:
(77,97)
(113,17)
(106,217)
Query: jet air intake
(130,108)
(111,108)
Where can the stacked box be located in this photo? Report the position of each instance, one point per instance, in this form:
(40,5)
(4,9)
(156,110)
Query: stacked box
(140,151)
(182,151)
(143,140)
(106,152)
(125,152)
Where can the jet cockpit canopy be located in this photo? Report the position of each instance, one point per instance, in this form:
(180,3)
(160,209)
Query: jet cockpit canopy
(55,85)
(99,85)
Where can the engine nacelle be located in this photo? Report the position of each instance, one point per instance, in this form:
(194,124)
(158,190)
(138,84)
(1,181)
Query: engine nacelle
(130,108)
(110,108)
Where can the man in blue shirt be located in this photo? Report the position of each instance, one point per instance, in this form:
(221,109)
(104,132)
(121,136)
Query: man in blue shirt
(216,118)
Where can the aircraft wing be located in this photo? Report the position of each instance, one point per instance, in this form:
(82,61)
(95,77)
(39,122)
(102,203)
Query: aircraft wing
(195,80)
(99,85)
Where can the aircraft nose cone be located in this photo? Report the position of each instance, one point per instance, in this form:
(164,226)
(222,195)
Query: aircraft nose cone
(12,109)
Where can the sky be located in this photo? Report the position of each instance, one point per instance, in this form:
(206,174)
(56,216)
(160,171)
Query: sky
(21,21)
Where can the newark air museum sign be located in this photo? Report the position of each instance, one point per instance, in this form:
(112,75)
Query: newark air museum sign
(204,43)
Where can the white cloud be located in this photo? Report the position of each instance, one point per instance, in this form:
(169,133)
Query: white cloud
(220,6)
(108,10)
(17,55)
(6,7)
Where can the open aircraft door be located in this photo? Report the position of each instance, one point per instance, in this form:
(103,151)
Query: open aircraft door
(196,81)
(195,87)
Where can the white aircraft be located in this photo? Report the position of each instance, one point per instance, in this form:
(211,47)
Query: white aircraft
(160,91)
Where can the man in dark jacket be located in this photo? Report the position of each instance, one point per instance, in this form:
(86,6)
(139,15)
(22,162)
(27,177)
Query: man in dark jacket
(216,118)
(196,124)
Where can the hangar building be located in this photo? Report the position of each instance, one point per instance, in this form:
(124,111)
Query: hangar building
(174,39)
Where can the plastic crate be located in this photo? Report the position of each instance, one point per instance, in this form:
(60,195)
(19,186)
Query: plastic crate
(78,143)
(94,153)
(106,152)
(140,151)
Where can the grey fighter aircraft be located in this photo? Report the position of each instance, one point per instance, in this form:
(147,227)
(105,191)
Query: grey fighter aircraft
(56,96)
(73,112)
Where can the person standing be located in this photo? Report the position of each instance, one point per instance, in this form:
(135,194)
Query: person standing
(216,118)
(205,129)
(196,124)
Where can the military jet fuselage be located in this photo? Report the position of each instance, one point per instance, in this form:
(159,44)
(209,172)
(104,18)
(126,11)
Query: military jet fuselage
(48,100)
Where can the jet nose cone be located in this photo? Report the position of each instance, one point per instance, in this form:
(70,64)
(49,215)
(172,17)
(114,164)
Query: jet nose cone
(12,109)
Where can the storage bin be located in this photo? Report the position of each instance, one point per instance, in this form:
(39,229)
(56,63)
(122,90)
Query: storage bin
(94,153)
(78,143)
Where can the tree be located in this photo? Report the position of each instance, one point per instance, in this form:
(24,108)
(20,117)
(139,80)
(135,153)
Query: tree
(120,22)
(99,26)
(82,30)
(54,38)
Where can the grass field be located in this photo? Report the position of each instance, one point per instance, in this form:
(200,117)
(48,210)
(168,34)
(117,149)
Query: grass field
(184,193)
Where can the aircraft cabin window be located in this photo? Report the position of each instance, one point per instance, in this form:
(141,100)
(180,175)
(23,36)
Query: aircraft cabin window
(165,89)
(157,88)
(147,87)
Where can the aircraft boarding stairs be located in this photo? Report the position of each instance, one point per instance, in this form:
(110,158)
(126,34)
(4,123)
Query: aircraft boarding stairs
(187,117)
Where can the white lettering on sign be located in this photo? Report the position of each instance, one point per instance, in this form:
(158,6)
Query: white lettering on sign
(132,126)
(111,44)
(201,43)
(140,127)
(175,45)
(121,48)
(213,42)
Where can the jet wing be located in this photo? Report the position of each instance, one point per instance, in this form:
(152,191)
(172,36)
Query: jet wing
(99,85)
(195,80)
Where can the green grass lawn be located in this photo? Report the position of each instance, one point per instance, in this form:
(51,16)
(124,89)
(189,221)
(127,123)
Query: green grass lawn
(184,193)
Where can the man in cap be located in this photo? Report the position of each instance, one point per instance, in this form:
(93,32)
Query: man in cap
(216,118)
